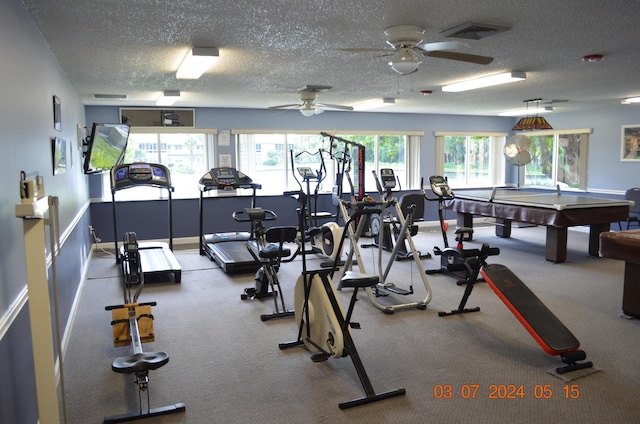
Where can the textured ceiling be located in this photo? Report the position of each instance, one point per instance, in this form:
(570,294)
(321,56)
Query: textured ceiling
(269,48)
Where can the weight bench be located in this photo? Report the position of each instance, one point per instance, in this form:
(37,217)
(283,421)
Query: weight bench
(550,333)
(625,246)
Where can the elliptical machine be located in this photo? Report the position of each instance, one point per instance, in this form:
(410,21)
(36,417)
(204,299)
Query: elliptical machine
(384,287)
(324,238)
(386,230)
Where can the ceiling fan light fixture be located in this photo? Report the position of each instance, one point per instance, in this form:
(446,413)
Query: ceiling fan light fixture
(308,109)
(405,63)
(374,104)
(197,61)
(488,81)
(308,112)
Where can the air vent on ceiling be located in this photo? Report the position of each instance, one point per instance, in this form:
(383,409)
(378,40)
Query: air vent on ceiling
(474,30)
(110,96)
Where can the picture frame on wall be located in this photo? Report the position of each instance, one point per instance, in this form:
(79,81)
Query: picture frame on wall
(57,113)
(59,155)
(630,145)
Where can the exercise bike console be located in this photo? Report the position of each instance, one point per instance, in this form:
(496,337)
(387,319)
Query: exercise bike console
(440,187)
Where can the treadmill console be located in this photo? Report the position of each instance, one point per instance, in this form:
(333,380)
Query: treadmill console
(127,175)
(440,186)
(225,179)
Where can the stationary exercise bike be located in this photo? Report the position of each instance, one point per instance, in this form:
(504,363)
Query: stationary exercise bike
(452,262)
(267,249)
(323,327)
(132,324)
(386,229)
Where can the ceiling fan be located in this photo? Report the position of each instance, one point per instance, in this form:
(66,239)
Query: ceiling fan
(516,150)
(407,47)
(308,105)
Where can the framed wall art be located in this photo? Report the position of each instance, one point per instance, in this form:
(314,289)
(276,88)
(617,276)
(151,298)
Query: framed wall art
(630,145)
(57,114)
(59,155)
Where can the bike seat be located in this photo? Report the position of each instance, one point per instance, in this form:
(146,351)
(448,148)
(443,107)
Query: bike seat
(139,362)
(355,279)
(273,251)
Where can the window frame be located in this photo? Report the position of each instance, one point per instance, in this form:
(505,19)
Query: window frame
(150,193)
(411,156)
(496,158)
(583,151)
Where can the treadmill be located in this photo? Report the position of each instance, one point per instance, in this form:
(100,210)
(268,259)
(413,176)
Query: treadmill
(229,250)
(155,257)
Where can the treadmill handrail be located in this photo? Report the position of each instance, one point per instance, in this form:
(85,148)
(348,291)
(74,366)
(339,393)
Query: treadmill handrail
(205,188)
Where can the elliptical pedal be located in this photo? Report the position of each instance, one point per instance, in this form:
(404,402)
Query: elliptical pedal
(396,290)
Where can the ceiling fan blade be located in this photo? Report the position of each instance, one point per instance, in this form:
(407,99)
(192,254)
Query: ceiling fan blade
(366,50)
(285,106)
(330,106)
(441,45)
(463,57)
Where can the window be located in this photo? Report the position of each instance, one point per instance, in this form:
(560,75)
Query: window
(558,158)
(266,157)
(182,150)
(470,160)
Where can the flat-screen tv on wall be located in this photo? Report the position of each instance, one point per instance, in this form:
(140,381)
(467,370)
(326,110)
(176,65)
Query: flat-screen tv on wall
(105,147)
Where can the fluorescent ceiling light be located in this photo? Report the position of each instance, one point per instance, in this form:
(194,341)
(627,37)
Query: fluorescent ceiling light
(497,79)
(373,104)
(168,97)
(631,100)
(531,111)
(197,61)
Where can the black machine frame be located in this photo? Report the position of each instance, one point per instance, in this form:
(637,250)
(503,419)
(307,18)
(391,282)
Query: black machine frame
(229,250)
(156,257)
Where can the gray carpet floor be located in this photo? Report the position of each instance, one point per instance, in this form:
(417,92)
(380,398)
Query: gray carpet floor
(226,366)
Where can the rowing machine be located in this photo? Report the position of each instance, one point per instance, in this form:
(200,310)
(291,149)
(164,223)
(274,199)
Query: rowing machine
(132,324)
